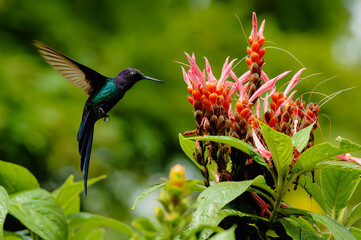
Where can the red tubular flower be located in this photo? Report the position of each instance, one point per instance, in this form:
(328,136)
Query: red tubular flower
(256,39)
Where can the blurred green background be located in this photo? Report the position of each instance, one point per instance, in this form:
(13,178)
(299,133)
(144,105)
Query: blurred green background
(40,111)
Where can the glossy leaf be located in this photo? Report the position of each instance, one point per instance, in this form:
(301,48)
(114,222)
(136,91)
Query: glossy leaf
(298,232)
(355,215)
(67,195)
(336,163)
(226,234)
(213,199)
(301,138)
(91,222)
(314,190)
(337,230)
(338,187)
(38,210)
(280,146)
(15,178)
(323,152)
(236,143)
(188,147)
(4,204)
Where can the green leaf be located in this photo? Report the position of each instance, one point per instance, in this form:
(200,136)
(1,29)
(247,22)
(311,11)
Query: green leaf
(300,138)
(227,234)
(13,236)
(339,164)
(188,147)
(194,185)
(354,215)
(148,190)
(356,232)
(4,205)
(322,152)
(213,199)
(298,232)
(314,190)
(218,217)
(15,178)
(67,195)
(90,222)
(236,143)
(39,212)
(95,234)
(260,182)
(146,227)
(280,146)
(338,187)
(337,230)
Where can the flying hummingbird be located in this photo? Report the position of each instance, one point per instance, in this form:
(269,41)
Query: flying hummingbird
(104,93)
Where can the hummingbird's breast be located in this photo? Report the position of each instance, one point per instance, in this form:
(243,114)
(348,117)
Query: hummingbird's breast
(105,98)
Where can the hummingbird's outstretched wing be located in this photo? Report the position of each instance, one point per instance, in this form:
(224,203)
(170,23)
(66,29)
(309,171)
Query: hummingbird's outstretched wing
(76,73)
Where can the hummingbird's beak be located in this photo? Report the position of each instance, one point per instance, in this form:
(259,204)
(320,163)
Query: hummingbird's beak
(153,79)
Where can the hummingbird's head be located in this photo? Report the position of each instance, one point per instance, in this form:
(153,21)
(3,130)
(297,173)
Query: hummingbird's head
(132,75)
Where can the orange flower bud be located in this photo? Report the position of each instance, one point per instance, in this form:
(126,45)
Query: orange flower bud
(196,94)
(177,176)
(213,98)
(255,57)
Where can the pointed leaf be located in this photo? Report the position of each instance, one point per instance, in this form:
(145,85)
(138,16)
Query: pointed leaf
(10,180)
(337,230)
(227,234)
(280,146)
(298,232)
(38,211)
(67,195)
(260,182)
(148,190)
(236,143)
(91,222)
(314,190)
(188,147)
(146,227)
(4,204)
(338,187)
(336,163)
(354,215)
(322,152)
(300,139)
(214,198)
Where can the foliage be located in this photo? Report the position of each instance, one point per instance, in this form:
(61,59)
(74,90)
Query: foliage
(48,215)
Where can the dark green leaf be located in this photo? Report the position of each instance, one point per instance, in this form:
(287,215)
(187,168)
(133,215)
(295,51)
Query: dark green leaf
(338,187)
(356,232)
(214,198)
(15,178)
(188,147)
(236,143)
(39,211)
(322,152)
(227,234)
(91,222)
(354,215)
(280,146)
(298,232)
(337,230)
(314,190)
(4,205)
(300,139)
(148,190)
(67,195)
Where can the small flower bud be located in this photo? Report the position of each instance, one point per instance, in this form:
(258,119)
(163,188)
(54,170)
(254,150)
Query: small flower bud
(177,176)
(254,78)
(197,104)
(213,121)
(198,115)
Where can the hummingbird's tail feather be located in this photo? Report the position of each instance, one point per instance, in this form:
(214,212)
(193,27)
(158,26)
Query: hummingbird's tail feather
(85,139)
(85,151)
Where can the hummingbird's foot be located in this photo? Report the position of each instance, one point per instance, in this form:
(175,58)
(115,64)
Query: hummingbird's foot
(106,118)
(102,114)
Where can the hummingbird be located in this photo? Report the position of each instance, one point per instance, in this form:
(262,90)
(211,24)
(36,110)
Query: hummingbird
(104,93)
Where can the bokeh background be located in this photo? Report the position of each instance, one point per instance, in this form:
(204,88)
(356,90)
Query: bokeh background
(40,111)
